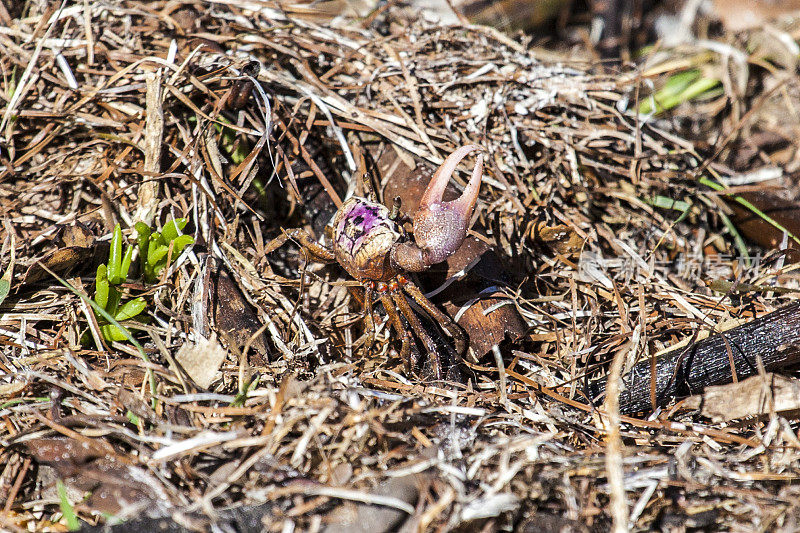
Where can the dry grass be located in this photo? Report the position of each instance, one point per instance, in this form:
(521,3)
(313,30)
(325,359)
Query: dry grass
(324,426)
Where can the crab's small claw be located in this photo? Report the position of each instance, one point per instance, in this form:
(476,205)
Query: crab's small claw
(440,227)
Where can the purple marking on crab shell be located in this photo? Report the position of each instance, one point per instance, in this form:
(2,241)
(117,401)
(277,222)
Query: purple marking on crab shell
(357,224)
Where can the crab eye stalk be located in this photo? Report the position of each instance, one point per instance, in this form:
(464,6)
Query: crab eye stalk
(440,227)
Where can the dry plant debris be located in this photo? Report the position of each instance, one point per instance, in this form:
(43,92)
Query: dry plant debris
(119,112)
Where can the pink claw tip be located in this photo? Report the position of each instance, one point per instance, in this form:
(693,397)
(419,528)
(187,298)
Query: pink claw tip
(440,179)
(440,227)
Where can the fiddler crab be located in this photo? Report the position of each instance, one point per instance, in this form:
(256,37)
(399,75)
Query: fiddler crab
(369,242)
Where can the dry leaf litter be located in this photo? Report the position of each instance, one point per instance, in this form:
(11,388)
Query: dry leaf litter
(121,111)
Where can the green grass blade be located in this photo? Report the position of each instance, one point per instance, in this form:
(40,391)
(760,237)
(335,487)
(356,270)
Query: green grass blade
(66,507)
(737,238)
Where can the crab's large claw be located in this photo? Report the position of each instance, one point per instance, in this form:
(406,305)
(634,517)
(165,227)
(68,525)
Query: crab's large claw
(440,227)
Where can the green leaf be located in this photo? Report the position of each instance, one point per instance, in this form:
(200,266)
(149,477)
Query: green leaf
(679,88)
(113,333)
(241,397)
(5,287)
(678,82)
(172,229)
(154,245)
(101,286)
(155,256)
(130,309)
(115,256)
(698,88)
(132,417)
(241,152)
(155,242)
(143,232)
(674,85)
(126,264)
(130,338)
(668,203)
(66,507)
(114,296)
(180,243)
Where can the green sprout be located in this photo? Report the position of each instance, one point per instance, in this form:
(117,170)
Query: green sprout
(236,147)
(5,281)
(108,295)
(156,249)
(238,152)
(5,286)
(679,88)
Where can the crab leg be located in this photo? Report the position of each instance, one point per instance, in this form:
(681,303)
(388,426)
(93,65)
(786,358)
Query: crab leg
(416,325)
(405,348)
(445,321)
(369,322)
(318,251)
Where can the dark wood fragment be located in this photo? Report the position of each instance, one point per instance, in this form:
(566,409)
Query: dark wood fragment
(235,319)
(610,13)
(547,523)
(87,468)
(511,15)
(77,252)
(362,517)
(774,337)
(486,324)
